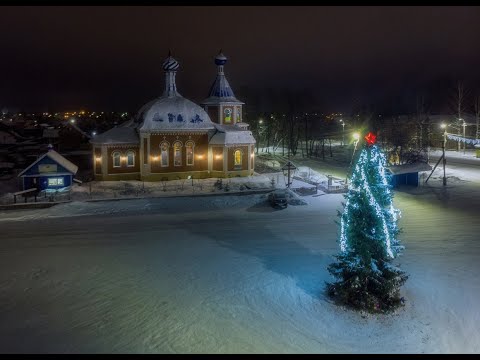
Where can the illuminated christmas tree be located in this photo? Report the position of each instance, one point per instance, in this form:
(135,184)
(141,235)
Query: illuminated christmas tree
(366,278)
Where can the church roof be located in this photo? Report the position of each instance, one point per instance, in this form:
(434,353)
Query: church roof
(220,91)
(117,135)
(172,111)
(231,135)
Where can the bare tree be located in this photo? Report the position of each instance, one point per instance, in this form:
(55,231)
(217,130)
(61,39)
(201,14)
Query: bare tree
(477,116)
(458,103)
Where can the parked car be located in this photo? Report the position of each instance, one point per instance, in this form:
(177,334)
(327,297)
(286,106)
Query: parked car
(278,199)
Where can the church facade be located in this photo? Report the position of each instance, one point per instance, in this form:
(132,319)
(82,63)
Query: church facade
(173,138)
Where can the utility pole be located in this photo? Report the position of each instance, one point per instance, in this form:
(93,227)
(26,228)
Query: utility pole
(443,155)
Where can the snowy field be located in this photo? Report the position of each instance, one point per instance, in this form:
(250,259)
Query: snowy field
(228,274)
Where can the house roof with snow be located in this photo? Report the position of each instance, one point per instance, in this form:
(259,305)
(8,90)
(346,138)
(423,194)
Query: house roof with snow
(56,157)
(409,168)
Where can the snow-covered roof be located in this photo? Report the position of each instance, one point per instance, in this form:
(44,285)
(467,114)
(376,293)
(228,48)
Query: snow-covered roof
(409,168)
(231,135)
(59,159)
(117,135)
(173,113)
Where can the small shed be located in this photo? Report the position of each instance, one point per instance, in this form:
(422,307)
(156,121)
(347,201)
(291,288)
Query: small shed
(407,174)
(50,171)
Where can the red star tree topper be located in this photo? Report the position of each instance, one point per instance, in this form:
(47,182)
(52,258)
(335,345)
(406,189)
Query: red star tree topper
(371,138)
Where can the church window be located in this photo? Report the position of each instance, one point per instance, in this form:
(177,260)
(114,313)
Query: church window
(177,154)
(130,158)
(237,155)
(189,151)
(239,114)
(227,115)
(116,159)
(164,154)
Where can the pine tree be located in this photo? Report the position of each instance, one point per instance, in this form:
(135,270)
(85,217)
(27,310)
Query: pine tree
(366,278)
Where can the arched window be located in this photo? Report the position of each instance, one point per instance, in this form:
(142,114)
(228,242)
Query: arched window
(130,158)
(116,159)
(189,149)
(227,115)
(164,153)
(177,153)
(239,114)
(237,156)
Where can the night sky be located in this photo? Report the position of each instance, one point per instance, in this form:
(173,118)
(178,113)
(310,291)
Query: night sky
(109,58)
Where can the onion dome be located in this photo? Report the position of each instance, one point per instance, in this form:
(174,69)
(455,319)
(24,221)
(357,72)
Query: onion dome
(170,64)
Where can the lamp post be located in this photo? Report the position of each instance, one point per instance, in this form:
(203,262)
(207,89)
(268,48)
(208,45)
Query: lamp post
(464,126)
(343,131)
(444,144)
(356,138)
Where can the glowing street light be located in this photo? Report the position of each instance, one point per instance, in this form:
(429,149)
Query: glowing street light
(343,131)
(356,138)
(444,144)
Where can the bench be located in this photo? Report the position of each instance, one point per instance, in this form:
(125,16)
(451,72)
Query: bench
(25,194)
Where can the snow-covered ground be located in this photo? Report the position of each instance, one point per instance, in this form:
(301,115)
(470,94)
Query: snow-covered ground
(229,274)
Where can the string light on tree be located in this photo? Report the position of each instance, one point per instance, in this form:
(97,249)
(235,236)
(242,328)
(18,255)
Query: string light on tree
(366,279)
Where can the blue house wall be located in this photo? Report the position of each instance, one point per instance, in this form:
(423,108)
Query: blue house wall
(33,178)
(42,181)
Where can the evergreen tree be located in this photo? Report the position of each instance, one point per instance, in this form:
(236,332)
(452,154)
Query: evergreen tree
(366,278)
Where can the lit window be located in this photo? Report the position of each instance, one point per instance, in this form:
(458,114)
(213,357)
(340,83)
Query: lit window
(55,182)
(227,115)
(189,150)
(177,154)
(237,157)
(130,158)
(164,154)
(116,159)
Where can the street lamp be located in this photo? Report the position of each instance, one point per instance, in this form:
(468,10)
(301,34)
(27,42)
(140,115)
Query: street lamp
(343,131)
(356,138)
(464,126)
(444,144)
